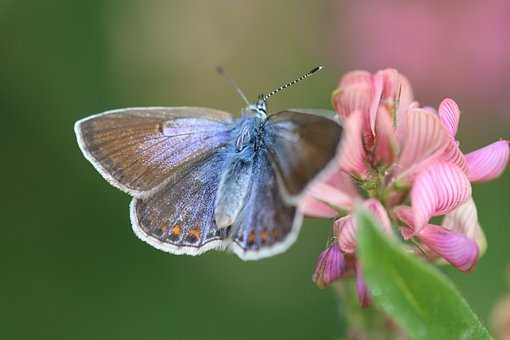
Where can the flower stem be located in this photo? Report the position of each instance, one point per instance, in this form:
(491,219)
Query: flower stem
(363,323)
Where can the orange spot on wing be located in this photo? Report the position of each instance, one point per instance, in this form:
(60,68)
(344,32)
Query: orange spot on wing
(276,233)
(264,235)
(194,234)
(176,231)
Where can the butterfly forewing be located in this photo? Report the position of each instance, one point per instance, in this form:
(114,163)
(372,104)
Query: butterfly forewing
(138,149)
(300,146)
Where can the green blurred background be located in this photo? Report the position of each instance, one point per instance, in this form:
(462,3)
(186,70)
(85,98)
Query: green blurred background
(72,268)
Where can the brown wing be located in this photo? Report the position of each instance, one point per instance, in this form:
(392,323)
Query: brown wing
(137,149)
(300,146)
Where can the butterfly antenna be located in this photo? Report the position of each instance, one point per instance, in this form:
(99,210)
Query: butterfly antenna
(221,72)
(284,86)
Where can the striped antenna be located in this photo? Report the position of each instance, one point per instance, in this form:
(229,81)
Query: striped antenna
(283,87)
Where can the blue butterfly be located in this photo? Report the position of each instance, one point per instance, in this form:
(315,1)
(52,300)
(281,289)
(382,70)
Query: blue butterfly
(201,179)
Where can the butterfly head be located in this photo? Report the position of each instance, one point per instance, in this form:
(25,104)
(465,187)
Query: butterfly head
(259,108)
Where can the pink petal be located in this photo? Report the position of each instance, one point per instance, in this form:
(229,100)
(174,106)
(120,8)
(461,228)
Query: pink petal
(346,227)
(405,99)
(391,83)
(464,220)
(397,94)
(386,146)
(361,288)
(438,190)
(388,85)
(330,193)
(324,200)
(488,162)
(461,251)
(449,113)
(454,155)
(380,214)
(353,94)
(378,86)
(345,231)
(407,232)
(422,139)
(342,181)
(352,155)
(405,215)
(330,266)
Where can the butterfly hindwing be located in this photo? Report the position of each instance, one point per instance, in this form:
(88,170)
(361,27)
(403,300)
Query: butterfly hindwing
(179,218)
(137,149)
(266,225)
(300,146)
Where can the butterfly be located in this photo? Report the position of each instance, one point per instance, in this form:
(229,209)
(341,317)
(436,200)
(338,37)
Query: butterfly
(202,179)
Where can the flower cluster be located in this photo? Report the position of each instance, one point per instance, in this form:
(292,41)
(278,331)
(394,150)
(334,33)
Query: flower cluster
(402,163)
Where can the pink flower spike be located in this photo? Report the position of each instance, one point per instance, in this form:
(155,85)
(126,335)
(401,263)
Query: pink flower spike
(330,266)
(361,288)
(461,251)
(464,220)
(488,162)
(449,113)
(354,93)
(438,190)
(422,138)
(351,154)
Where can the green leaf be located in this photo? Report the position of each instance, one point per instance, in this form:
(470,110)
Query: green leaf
(415,294)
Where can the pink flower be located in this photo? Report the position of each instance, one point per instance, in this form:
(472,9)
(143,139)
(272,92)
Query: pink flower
(402,162)
(458,242)
(330,266)
(360,91)
(480,165)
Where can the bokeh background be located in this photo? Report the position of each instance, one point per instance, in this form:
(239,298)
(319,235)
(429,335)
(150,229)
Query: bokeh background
(72,268)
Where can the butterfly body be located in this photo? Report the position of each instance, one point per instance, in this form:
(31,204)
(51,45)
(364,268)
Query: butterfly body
(202,180)
(236,181)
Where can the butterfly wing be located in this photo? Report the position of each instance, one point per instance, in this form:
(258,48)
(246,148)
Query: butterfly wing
(266,225)
(179,218)
(300,146)
(138,149)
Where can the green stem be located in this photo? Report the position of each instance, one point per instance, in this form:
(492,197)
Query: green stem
(363,323)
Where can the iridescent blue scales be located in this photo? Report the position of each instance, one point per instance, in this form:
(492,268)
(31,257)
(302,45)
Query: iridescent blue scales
(202,180)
